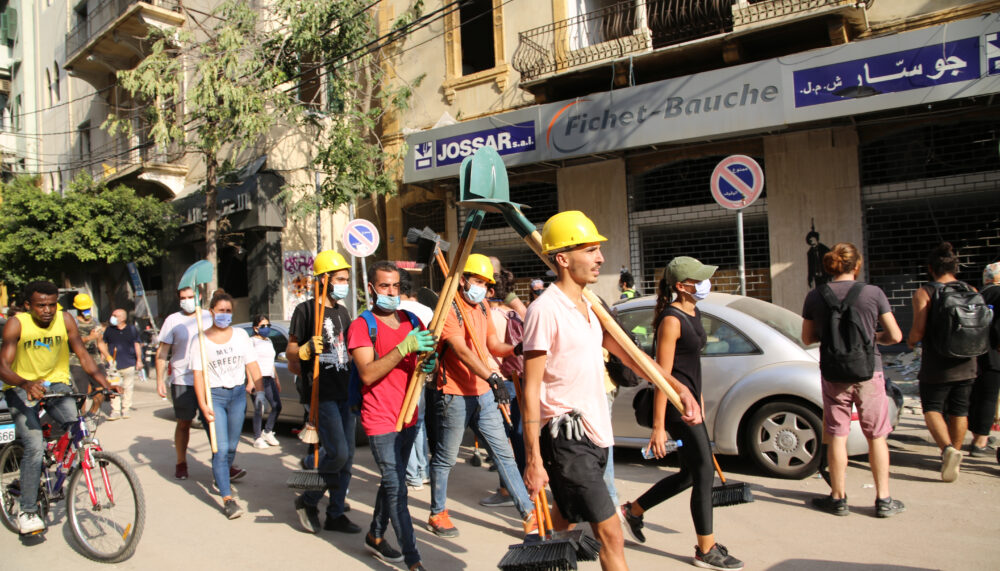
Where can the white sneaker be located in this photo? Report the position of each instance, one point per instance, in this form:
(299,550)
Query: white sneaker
(29,522)
(268,437)
(260,443)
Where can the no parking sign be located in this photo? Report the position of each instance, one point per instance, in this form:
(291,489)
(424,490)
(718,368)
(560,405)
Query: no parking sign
(360,238)
(737,182)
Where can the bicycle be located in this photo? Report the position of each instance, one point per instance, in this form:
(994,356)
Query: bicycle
(105,502)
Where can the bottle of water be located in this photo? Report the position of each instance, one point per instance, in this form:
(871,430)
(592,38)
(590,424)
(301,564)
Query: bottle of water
(670,445)
(34,403)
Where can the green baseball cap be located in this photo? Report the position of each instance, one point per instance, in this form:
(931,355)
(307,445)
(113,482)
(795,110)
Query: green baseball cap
(687,268)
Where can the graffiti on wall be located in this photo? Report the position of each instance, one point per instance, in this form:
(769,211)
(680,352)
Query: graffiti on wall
(296,272)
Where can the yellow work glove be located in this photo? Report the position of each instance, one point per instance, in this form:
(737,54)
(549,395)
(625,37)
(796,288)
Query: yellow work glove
(307,350)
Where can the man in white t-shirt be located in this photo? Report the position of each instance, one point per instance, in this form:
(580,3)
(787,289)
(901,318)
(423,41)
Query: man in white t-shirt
(567,425)
(175,336)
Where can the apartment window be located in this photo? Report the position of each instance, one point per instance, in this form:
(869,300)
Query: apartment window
(477,36)
(83,140)
(474,47)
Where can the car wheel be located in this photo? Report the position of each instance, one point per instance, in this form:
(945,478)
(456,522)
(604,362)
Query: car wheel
(784,439)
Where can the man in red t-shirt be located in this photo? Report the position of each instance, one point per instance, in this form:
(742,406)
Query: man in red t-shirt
(385,367)
(470,395)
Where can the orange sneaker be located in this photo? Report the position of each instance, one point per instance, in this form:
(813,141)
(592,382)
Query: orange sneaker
(441,525)
(530,524)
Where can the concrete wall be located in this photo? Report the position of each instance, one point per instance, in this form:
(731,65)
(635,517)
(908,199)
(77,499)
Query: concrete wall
(599,190)
(809,175)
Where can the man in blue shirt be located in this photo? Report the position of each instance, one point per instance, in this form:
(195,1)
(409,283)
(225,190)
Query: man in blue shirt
(121,347)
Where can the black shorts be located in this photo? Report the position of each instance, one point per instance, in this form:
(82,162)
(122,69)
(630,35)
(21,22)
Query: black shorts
(950,399)
(81,380)
(576,476)
(185,402)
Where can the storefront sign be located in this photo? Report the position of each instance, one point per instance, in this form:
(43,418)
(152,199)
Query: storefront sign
(926,66)
(911,68)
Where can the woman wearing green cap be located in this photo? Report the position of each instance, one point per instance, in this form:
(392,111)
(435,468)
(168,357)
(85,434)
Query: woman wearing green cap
(680,337)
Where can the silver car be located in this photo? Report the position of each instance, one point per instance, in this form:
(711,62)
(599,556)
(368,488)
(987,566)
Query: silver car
(761,384)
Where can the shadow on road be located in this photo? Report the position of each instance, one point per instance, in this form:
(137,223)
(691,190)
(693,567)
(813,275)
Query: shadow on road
(818,565)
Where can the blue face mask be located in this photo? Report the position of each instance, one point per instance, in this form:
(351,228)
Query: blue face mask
(475,294)
(339,291)
(264,331)
(387,302)
(222,320)
(113,321)
(85,313)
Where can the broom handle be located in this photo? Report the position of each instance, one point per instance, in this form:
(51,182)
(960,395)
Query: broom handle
(545,509)
(534,240)
(443,264)
(436,326)
(718,469)
(204,373)
(540,516)
(314,398)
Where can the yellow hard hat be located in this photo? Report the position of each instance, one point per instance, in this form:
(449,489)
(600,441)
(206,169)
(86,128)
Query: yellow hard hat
(570,228)
(82,301)
(481,266)
(329,261)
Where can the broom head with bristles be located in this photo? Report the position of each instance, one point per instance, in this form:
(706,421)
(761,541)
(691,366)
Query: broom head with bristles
(306,480)
(731,495)
(308,434)
(549,555)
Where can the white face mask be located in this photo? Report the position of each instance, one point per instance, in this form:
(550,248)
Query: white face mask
(701,289)
(187,305)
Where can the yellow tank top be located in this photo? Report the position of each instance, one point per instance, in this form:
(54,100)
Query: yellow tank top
(42,353)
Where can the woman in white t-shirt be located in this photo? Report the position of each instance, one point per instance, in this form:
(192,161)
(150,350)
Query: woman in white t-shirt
(229,359)
(271,395)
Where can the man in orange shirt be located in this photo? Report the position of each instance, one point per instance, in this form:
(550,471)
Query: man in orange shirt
(468,400)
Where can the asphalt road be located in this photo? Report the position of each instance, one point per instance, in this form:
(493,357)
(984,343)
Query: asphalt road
(946,526)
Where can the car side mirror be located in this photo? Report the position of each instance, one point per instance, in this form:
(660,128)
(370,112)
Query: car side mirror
(281,358)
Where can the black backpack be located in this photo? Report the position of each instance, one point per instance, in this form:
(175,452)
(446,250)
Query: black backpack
(846,351)
(958,321)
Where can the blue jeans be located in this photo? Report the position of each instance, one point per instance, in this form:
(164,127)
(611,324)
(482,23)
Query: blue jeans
(229,407)
(390,452)
(609,470)
(455,413)
(336,435)
(515,432)
(271,397)
(416,465)
(28,429)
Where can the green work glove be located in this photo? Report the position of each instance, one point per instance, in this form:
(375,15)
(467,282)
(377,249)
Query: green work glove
(429,364)
(306,351)
(416,341)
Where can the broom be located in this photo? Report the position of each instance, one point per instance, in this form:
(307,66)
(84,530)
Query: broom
(541,552)
(587,548)
(312,479)
(729,494)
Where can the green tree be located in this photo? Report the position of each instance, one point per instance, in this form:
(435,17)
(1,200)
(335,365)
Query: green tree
(48,235)
(247,71)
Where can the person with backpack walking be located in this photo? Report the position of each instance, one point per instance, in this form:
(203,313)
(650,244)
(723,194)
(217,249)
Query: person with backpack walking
(680,337)
(336,423)
(384,342)
(842,315)
(948,361)
(986,388)
(416,469)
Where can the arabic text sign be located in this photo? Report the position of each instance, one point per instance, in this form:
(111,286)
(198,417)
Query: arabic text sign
(736,182)
(507,139)
(927,66)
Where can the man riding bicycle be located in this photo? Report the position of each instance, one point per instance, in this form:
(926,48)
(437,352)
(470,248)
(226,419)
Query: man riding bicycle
(34,359)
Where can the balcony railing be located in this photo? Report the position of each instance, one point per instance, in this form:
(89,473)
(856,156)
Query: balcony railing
(102,15)
(122,152)
(636,26)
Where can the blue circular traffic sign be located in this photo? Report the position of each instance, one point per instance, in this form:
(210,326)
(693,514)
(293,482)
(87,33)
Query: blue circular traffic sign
(360,238)
(737,182)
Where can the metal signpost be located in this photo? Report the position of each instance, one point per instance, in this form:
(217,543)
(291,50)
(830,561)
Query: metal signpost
(361,239)
(736,183)
(133,273)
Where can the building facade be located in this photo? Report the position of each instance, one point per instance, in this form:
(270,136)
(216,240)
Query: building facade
(873,122)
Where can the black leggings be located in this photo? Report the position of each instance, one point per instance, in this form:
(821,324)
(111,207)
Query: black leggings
(983,401)
(696,471)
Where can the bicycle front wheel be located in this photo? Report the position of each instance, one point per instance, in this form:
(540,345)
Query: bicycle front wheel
(106,508)
(10,484)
